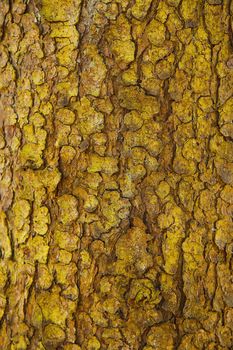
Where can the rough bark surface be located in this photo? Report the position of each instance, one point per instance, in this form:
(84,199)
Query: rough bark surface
(116,166)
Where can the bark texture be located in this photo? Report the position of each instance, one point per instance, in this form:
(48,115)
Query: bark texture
(116,168)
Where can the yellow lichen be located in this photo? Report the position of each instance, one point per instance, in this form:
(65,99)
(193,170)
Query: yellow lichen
(156,32)
(67,154)
(56,11)
(142,291)
(41,220)
(140,8)
(67,56)
(38,77)
(53,334)
(93,344)
(91,203)
(66,240)
(68,207)
(21,220)
(108,165)
(61,30)
(131,251)
(123,51)
(93,72)
(116,174)
(135,98)
(89,120)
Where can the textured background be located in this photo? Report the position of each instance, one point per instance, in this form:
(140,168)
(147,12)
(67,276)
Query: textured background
(116,168)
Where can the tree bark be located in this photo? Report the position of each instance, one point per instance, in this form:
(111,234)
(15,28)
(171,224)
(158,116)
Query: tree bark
(116,170)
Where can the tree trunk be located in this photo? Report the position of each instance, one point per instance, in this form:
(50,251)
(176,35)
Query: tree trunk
(116,165)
